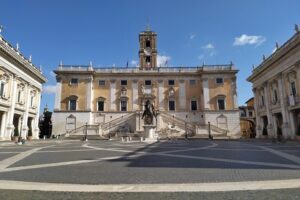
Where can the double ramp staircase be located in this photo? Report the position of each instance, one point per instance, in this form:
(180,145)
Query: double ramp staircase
(170,127)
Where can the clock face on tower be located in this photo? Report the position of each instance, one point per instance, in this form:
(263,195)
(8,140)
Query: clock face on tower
(147,51)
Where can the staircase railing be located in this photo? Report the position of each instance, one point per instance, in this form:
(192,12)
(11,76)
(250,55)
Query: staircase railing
(115,122)
(178,122)
(81,129)
(190,125)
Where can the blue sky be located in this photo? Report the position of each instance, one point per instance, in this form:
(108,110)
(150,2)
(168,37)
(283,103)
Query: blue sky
(190,32)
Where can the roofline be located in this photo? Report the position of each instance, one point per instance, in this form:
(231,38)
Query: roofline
(278,54)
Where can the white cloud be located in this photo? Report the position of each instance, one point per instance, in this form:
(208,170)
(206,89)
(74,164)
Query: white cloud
(192,36)
(134,63)
(162,61)
(49,89)
(249,39)
(208,46)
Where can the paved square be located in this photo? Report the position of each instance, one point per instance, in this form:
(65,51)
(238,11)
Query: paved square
(166,166)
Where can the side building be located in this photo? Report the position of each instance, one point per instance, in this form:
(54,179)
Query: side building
(276,88)
(20,93)
(112,99)
(247,118)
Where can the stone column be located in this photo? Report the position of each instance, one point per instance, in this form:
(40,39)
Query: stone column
(113,95)
(11,110)
(182,95)
(3,136)
(57,105)
(205,87)
(25,116)
(89,94)
(269,114)
(257,117)
(284,112)
(161,96)
(36,130)
(135,95)
(235,105)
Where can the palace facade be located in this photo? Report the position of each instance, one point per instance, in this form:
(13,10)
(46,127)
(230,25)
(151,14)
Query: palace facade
(276,88)
(111,100)
(20,93)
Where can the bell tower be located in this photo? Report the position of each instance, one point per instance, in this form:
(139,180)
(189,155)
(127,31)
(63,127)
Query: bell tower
(147,52)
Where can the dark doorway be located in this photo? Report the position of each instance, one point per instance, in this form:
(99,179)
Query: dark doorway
(279,122)
(265,126)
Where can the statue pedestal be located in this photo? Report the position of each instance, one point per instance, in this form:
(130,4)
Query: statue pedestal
(149,131)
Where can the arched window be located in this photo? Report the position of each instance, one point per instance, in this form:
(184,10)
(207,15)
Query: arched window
(73,103)
(148,43)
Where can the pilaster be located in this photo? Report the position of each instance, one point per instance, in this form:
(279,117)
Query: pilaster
(205,86)
(182,95)
(57,105)
(113,95)
(161,95)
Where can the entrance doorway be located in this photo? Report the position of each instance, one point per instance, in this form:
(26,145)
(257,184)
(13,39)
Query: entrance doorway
(279,122)
(265,126)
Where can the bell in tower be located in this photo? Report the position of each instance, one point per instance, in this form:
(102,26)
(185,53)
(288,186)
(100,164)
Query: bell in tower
(147,52)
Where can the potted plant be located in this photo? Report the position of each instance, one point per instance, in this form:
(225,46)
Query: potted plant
(29,135)
(16,134)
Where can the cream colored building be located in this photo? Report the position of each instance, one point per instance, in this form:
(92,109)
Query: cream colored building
(276,88)
(111,99)
(20,93)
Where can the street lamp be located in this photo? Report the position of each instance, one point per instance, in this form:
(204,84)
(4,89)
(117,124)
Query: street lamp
(109,128)
(186,134)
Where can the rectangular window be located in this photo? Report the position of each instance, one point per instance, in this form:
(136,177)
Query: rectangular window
(171,82)
(219,80)
(192,82)
(275,96)
(123,82)
(147,82)
(101,82)
(19,96)
(262,100)
(250,113)
(72,104)
(100,106)
(193,105)
(74,81)
(1,89)
(293,88)
(221,104)
(123,105)
(31,101)
(171,105)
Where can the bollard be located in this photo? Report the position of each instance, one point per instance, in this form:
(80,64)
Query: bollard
(141,139)
(122,139)
(44,138)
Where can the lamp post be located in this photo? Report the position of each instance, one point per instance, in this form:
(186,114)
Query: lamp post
(109,128)
(85,136)
(209,132)
(186,134)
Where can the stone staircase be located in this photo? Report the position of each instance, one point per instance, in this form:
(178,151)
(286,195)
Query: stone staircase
(195,130)
(116,126)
